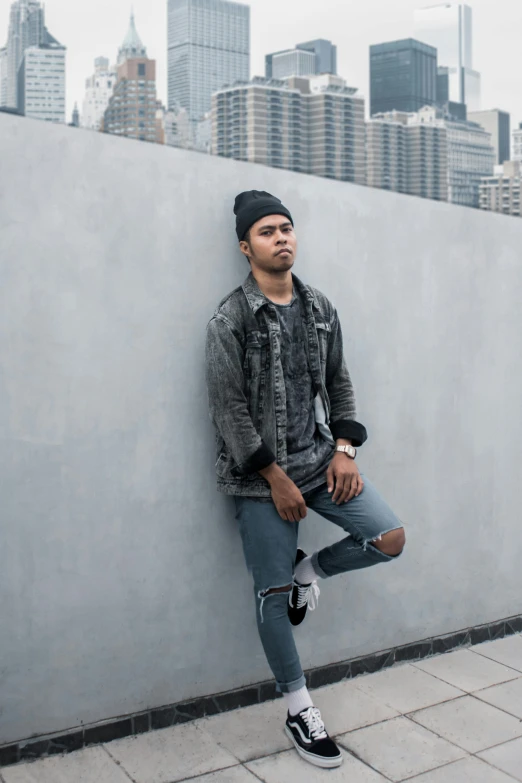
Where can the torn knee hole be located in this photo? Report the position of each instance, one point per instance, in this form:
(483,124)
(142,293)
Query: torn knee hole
(272,590)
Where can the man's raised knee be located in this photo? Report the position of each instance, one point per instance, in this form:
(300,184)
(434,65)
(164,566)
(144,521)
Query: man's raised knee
(391,543)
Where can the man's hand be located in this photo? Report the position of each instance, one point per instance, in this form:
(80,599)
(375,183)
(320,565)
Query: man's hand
(344,474)
(288,500)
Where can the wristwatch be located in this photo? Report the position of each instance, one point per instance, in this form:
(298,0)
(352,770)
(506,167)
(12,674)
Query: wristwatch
(350,451)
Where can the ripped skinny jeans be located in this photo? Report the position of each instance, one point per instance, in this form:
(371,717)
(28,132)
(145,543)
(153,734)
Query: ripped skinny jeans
(270,544)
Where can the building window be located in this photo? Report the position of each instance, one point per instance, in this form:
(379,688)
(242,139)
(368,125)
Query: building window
(141,69)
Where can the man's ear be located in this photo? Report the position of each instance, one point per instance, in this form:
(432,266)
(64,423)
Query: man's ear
(245,248)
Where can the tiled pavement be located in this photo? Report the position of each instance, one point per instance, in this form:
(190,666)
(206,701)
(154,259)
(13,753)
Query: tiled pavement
(454,718)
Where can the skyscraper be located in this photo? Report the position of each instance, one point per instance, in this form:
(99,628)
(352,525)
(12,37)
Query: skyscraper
(497,123)
(41,81)
(517,143)
(403,76)
(132,107)
(26,28)
(325,60)
(294,62)
(3,76)
(208,47)
(98,90)
(325,52)
(449,28)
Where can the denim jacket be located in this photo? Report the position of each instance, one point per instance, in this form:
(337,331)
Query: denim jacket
(246,389)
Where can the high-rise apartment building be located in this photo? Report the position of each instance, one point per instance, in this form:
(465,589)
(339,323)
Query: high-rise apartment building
(261,122)
(132,107)
(405,156)
(41,81)
(311,124)
(517,143)
(449,28)
(386,152)
(501,192)
(403,76)
(98,90)
(497,123)
(470,155)
(208,48)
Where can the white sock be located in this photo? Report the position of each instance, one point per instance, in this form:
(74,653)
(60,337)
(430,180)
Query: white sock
(304,573)
(297,701)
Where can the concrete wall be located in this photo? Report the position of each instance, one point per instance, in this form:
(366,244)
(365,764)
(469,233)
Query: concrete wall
(122,583)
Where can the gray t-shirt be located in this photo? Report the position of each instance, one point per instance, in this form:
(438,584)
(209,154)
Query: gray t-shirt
(309,454)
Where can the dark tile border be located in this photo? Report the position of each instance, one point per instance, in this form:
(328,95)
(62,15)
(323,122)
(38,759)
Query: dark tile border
(184,712)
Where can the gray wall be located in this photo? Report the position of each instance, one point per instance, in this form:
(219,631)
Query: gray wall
(122,583)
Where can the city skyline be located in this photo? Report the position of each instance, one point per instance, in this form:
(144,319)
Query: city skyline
(496,33)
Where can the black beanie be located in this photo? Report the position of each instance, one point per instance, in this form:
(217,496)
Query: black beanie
(252,205)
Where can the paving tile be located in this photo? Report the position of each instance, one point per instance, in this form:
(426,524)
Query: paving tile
(507,696)
(468,770)
(91,765)
(407,688)
(466,670)
(169,755)
(288,767)
(507,757)
(344,707)
(469,723)
(231,775)
(507,651)
(252,731)
(399,748)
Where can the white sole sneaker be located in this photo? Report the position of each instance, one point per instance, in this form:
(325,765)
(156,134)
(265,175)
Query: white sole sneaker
(312,758)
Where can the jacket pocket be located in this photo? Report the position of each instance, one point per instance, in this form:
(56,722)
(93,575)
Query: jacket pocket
(257,354)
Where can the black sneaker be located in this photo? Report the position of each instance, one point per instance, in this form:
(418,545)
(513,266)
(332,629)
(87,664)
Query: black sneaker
(311,740)
(301,596)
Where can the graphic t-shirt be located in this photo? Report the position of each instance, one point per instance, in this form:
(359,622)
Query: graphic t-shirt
(309,454)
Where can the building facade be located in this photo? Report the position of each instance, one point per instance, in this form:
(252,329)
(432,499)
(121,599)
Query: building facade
(310,124)
(132,106)
(470,155)
(325,60)
(407,157)
(496,123)
(208,48)
(98,90)
(403,76)
(260,121)
(501,192)
(449,28)
(325,52)
(3,76)
(294,62)
(26,30)
(517,143)
(386,159)
(41,82)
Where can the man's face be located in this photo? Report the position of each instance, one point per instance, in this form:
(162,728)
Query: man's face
(272,244)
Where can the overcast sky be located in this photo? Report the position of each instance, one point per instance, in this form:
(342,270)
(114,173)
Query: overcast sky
(90,28)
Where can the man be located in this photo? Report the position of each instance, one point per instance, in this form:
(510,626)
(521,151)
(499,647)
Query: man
(283,405)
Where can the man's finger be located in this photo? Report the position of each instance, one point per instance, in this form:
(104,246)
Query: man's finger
(345,488)
(360,485)
(352,489)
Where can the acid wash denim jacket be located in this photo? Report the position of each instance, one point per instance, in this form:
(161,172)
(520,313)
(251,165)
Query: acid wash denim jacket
(246,390)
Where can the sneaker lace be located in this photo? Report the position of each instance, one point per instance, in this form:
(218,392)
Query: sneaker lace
(314,722)
(306,594)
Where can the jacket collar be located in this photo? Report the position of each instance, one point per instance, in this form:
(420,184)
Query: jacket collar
(256,298)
